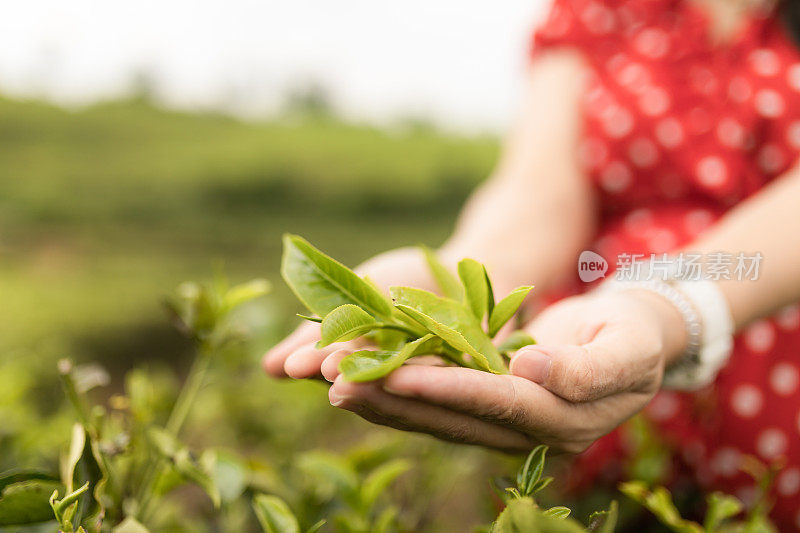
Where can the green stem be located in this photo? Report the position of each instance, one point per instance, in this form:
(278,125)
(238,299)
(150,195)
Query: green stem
(78,402)
(188,394)
(399,327)
(178,415)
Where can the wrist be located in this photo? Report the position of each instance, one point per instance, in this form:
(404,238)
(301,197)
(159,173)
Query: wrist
(669,322)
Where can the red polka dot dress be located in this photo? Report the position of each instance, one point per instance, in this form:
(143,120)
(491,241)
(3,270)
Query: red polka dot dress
(677,130)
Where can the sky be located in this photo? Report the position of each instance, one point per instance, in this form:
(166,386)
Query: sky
(457,62)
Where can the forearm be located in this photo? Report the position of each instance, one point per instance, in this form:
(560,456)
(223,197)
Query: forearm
(769,224)
(529,222)
(525,236)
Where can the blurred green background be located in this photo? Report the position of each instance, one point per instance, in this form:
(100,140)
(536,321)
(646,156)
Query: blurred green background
(104,210)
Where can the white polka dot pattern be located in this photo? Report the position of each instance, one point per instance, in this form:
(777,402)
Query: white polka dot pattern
(784,379)
(788,482)
(673,139)
(746,401)
(771,443)
(760,336)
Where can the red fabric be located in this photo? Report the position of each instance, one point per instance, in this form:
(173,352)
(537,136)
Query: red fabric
(677,131)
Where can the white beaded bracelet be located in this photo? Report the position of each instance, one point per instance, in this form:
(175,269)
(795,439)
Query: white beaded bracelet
(709,328)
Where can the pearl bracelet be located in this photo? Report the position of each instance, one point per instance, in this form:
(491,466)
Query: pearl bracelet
(709,328)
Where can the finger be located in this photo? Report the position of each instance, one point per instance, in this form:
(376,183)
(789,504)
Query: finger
(305,361)
(502,399)
(330,366)
(371,402)
(275,358)
(615,360)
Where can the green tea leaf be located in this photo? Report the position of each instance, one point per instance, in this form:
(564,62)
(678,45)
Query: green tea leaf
(74,455)
(489,292)
(445,280)
(316,319)
(506,308)
(345,323)
(557,512)
(385,522)
(531,472)
(130,525)
(244,292)
(473,277)
(659,502)
(367,365)
(26,501)
(451,321)
(516,340)
(323,284)
(720,508)
(274,515)
(317,526)
(327,468)
(604,521)
(379,480)
(181,458)
(229,474)
(522,515)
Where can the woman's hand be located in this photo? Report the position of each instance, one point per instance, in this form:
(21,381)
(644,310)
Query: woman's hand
(600,361)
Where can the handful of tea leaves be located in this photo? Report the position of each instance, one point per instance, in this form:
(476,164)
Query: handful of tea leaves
(413,322)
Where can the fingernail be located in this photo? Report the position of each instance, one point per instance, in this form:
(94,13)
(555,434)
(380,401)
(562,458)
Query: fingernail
(531,364)
(335,399)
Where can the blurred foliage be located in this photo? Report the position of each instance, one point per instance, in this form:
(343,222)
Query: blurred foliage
(106,208)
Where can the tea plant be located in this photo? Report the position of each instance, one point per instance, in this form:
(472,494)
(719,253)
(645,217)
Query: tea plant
(120,464)
(353,496)
(721,509)
(413,322)
(523,513)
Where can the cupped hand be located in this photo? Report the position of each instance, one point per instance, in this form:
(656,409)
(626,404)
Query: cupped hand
(600,360)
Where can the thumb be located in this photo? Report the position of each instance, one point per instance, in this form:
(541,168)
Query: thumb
(582,373)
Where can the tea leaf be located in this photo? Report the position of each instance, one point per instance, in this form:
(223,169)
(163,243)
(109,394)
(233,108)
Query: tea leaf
(473,276)
(328,468)
(451,321)
(659,502)
(76,448)
(316,527)
(531,472)
(367,365)
(323,284)
(720,508)
(180,457)
(310,318)
(130,525)
(604,521)
(244,292)
(24,497)
(385,521)
(523,515)
(489,292)
(445,280)
(516,340)
(506,308)
(274,515)
(229,474)
(345,323)
(380,478)
(557,512)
